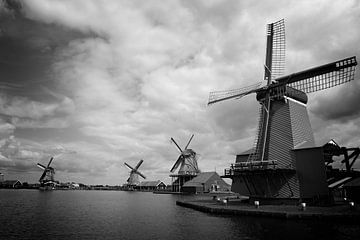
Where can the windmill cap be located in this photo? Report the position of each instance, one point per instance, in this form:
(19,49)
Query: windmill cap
(188,152)
(290,92)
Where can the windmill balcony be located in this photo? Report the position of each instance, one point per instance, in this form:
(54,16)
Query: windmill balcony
(187,173)
(250,166)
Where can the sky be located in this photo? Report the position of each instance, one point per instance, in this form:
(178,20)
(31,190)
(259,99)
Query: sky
(99,83)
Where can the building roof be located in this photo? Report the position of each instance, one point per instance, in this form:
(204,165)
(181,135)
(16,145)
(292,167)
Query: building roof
(200,179)
(10,182)
(151,183)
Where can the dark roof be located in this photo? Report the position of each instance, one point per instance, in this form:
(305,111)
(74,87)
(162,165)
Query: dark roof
(151,183)
(200,179)
(354,183)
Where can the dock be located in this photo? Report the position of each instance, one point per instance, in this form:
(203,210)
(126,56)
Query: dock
(342,212)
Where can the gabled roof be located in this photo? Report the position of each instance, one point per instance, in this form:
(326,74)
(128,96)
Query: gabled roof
(151,183)
(200,179)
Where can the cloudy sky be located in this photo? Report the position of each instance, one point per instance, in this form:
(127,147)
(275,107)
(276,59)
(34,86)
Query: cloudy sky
(100,83)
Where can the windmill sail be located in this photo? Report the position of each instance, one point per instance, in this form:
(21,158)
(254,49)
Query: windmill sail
(274,65)
(218,96)
(177,163)
(322,77)
(275,50)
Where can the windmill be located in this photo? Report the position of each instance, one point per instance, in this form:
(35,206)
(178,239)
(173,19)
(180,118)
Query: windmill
(133,179)
(47,178)
(284,124)
(187,161)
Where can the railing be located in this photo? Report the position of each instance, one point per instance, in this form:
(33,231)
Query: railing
(250,165)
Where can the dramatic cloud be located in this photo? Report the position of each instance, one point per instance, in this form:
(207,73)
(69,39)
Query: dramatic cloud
(114,80)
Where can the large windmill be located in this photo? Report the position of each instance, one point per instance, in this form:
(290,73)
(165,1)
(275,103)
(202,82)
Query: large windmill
(133,180)
(277,166)
(46,180)
(187,161)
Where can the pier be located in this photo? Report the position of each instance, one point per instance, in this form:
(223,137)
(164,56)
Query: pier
(343,212)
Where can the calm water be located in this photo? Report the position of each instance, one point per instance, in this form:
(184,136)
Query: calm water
(31,214)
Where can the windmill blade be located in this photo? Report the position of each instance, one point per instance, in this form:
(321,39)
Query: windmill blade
(41,166)
(322,77)
(177,163)
(138,165)
(51,159)
(140,174)
(176,145)
(218,96)
(275,50)
(189,141)
(42,176)
(131,168)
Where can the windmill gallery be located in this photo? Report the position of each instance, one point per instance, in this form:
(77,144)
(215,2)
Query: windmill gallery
(284,163)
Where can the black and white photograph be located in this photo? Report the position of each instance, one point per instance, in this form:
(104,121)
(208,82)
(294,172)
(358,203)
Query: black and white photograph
(179,119)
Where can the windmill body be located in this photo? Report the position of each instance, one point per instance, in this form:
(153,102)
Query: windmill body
(187,164)
(284,161)
(133,181)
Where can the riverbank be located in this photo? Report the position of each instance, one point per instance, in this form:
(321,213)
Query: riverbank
(343,212)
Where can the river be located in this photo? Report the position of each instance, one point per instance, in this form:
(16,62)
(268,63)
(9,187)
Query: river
(32,214)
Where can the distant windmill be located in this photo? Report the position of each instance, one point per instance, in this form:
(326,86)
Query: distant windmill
(187,160)
(284,124)
(133,180)
(47,177)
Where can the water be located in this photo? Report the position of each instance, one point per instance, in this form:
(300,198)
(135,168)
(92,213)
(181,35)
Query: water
(31,214)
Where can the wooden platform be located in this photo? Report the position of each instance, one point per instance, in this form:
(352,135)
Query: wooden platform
(343,212)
